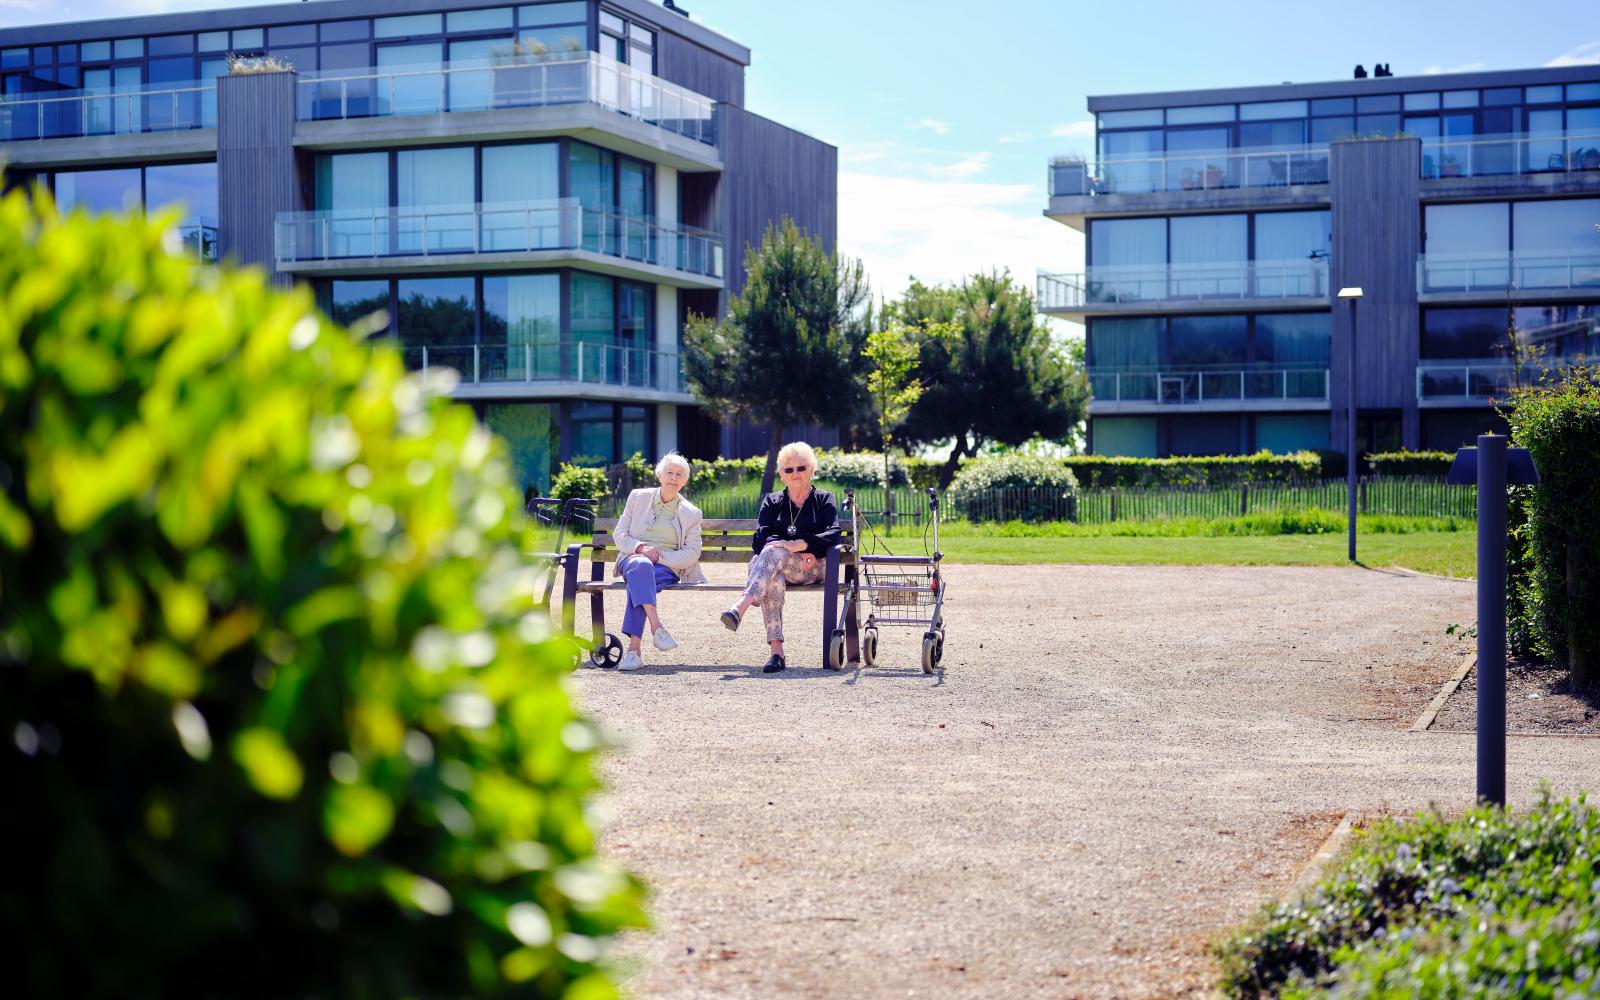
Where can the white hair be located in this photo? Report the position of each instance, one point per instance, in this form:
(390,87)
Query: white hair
(799,450)
(672,458)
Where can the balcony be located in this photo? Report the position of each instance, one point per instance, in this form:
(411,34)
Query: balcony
(554,368)
(1199,287)
(74,113)
(1481,381)
(1512,154)
(508,82)
(1499,276)
(497,236)
(1207,387)
(1188,170)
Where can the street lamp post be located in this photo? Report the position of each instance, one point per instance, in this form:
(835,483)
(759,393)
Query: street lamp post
(1354,295)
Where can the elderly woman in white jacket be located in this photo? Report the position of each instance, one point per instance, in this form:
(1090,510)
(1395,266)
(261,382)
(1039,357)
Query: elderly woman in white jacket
(658,544)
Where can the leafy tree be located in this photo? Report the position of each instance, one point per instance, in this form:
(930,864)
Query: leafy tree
(278,721)
(791,349)
(993,374)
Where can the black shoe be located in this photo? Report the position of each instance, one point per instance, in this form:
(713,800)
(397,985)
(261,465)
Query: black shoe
(774,665)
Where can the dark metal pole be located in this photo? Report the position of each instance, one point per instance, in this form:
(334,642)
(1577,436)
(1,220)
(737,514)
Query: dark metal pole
(1492,619)
(1350,430)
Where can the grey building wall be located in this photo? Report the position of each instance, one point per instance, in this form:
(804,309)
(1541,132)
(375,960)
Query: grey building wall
(257,171)
(1377,222)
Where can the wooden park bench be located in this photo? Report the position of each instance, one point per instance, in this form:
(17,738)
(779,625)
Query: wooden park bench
(724,540)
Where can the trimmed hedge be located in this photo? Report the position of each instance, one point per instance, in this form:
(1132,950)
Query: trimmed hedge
(1101,471)
(1411,463)
(278,721)
(580,481)
(1039,479)
(859,469)
(1559,423)
(1487,905)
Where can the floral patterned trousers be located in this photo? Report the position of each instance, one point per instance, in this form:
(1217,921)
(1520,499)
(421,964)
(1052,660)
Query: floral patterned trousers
(771,571)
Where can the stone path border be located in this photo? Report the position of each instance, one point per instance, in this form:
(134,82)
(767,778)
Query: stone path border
(1425,720)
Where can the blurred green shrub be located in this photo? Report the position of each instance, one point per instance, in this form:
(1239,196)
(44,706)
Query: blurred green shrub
(277,721)
(1102,471)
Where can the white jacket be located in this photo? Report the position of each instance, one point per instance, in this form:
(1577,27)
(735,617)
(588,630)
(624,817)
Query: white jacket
(683,560)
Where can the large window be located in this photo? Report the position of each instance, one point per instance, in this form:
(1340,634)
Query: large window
(1284,340)
(350,301)
(1464,333)
(522,325)
(1524,245)
(532,432)
(435,193)
(438,322)
(354,189)
(1208,256)
(193,186)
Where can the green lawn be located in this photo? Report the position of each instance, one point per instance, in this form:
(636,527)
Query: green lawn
(1447,553)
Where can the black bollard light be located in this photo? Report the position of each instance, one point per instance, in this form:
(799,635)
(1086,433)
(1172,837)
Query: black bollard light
(1492,466)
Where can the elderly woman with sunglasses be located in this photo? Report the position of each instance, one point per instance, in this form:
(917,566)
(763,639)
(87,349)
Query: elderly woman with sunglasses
(794,530)
(658,542)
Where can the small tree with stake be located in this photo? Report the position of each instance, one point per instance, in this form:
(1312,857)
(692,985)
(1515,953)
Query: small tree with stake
(792,349)
(893,351)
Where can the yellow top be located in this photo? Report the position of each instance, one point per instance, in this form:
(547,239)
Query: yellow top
(663,529)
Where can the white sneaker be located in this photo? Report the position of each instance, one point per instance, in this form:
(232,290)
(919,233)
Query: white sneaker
(663,640)
(631,660)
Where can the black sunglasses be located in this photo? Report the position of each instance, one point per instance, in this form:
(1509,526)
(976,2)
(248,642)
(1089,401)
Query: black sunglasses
(790,470)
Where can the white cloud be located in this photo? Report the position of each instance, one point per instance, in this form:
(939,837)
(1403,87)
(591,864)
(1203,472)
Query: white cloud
(968,166)
(1471,67)
(933,125)
(1583,55)
(1016,137)
(861,155)
(1074,130)
(944,230)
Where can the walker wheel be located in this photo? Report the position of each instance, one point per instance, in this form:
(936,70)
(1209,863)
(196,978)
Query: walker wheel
(836,651)
(869,647)
(930,653)
(608,653)
(938,649)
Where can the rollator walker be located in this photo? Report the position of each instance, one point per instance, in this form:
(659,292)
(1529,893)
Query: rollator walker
(894,591)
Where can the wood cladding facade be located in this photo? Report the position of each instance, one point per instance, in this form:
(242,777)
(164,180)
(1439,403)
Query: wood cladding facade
(258,174)
(772,171)
(1377,222)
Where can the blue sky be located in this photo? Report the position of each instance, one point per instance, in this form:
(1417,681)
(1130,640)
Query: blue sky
(945,112)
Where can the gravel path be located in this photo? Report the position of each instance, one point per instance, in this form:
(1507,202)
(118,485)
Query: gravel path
(1116,765)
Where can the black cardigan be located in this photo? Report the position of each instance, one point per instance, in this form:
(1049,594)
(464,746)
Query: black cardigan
(816,525)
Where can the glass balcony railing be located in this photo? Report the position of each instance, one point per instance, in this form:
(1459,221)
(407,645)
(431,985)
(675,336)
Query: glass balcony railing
(1185,282)
(1510,154)
(73,113)
(1192,385)
(1192,170)
(1505,272)
(441,230)
(1482,380)
(512,81)
(553,361)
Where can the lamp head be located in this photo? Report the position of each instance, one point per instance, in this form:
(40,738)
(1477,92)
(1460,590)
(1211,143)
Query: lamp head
(1350,293)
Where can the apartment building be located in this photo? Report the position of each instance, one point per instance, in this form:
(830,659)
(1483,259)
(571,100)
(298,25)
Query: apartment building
(537,195)
(1221,224)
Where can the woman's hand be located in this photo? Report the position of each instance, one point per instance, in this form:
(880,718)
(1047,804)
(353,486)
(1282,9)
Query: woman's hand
(650,552)
(807,560)
(795,546)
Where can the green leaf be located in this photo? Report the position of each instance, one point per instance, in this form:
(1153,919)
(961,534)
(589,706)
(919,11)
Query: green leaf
(356,817)
(268,762)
